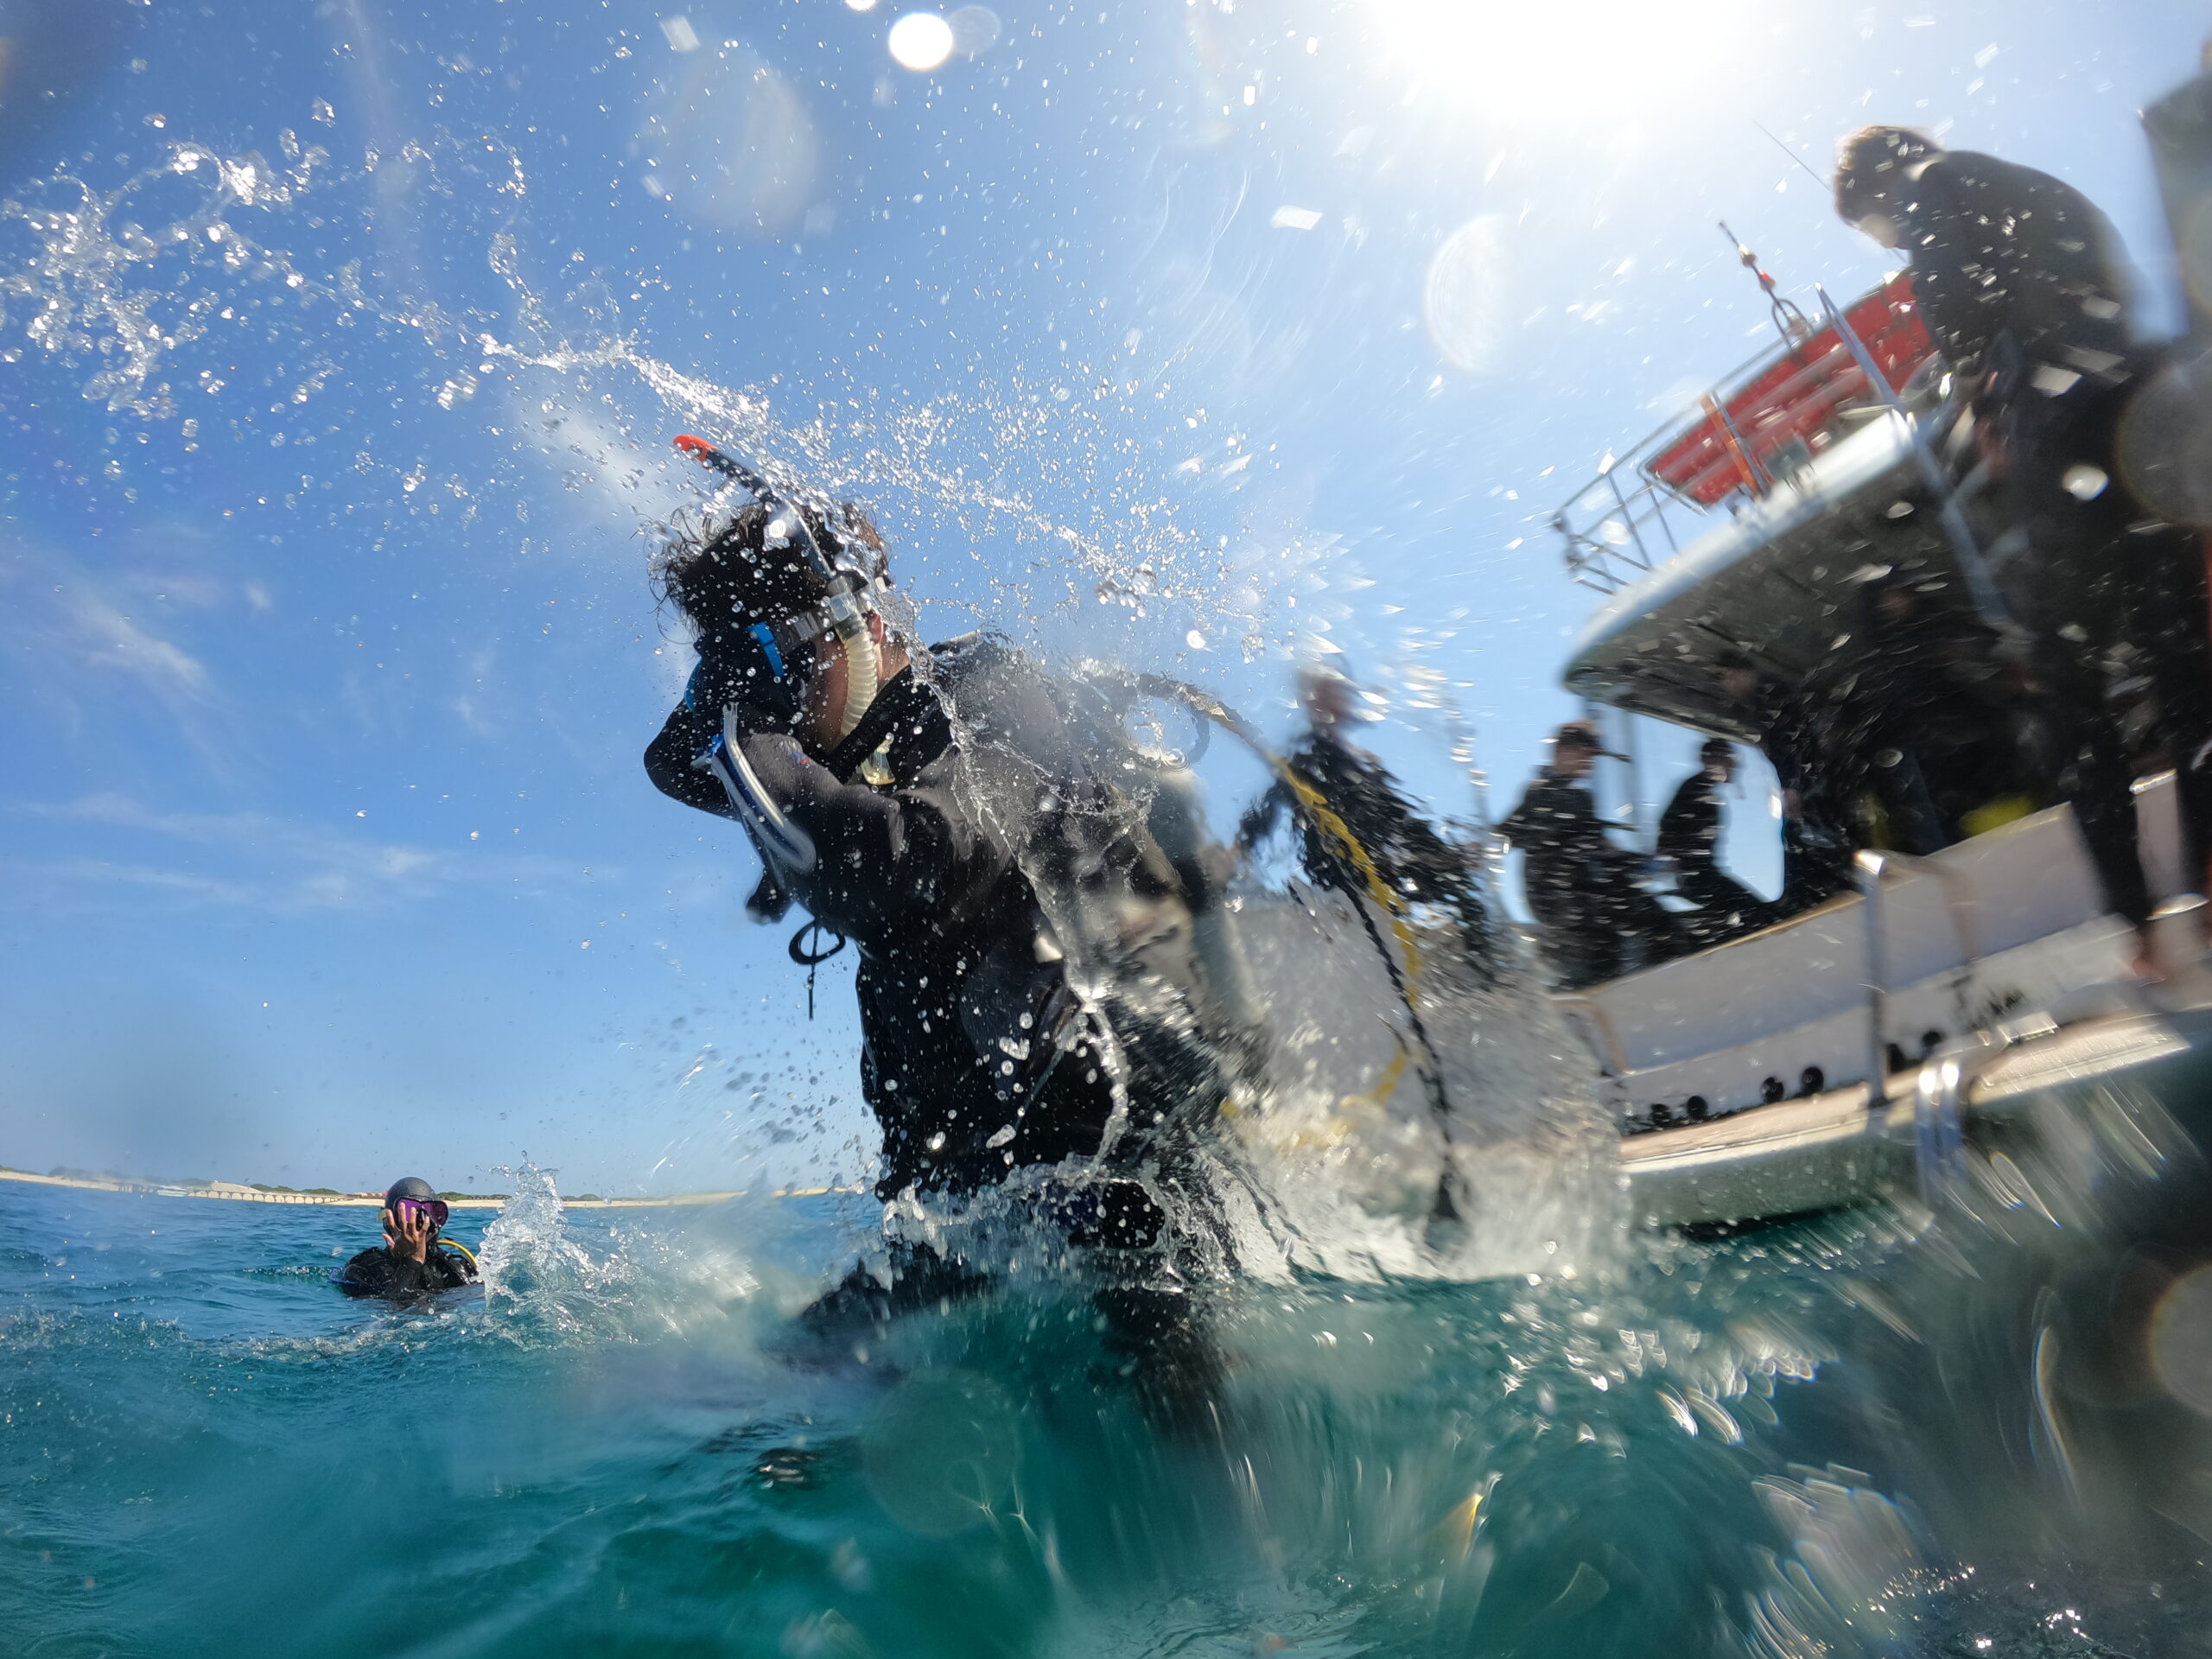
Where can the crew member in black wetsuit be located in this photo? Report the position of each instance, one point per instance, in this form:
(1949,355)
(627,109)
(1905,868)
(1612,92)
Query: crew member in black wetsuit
(2025,288)
(1598,923)
(1032,976)
(1816,773)
(1689,835)
(413,1262)
(1408,855)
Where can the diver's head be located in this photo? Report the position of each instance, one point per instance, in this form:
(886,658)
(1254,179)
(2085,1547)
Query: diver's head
(759,609)
(1329,696)
(1575,749)
(411,1193)
(1871,167)
(1718,756)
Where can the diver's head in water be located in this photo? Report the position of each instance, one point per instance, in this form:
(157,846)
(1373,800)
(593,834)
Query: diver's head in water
(756,607)
(413,1210)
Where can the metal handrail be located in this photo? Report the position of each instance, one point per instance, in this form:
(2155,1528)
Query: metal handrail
(1869,874)
(1873,867)
(1616,549)
(1979,584)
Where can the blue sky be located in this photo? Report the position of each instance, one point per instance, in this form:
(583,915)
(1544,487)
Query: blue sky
(340,348)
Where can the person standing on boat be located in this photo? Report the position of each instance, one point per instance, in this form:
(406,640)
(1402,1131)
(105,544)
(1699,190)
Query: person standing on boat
(1599,923)
(2026,291)
(1407,853)
(1690,836)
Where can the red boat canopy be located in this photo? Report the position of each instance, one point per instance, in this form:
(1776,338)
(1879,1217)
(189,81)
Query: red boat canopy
(1794,399)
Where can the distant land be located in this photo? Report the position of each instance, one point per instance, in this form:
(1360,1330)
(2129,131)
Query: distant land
(258,1192)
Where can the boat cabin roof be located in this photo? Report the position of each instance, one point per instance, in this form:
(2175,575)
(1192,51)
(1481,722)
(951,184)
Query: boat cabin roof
(1782,587)
(1750,536)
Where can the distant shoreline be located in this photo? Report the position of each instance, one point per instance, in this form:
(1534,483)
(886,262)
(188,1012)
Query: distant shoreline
(239,1192)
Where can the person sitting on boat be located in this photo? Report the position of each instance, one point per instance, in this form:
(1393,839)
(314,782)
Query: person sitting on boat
(1029,996)
(2026,291)
(1405,851)
(1598,922)
(413,1262)
(1689,836)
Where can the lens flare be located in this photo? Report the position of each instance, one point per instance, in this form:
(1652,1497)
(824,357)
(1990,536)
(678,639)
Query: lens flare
(2181,1340)
(921,40)
(975,30)
(1463,298)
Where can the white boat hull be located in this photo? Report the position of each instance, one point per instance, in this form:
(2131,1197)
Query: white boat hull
(1832,1152)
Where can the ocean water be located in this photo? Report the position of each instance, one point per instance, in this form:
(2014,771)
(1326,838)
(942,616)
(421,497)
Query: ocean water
(1891,1432)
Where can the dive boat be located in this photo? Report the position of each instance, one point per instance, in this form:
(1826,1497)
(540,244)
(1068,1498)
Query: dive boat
(1896,1035)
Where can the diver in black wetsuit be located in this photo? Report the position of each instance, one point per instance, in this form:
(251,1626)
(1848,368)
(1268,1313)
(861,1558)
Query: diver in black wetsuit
(413,1262)
(1598,922)
(1408,857)
(2026,289)
(1689,835)
(1816,774)
(1035,940)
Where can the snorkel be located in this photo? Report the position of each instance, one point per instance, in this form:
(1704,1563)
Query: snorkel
(846,608)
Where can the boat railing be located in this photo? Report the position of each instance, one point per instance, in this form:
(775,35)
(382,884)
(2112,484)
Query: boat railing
(1754,433)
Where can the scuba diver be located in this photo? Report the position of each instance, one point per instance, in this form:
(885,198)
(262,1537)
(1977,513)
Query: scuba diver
(1690,836)
(1043,995)
(413,1262)
(1598,922)
(1407,854)
(2026,289)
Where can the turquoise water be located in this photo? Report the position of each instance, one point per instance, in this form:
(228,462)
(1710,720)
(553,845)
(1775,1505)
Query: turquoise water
(1874,1434)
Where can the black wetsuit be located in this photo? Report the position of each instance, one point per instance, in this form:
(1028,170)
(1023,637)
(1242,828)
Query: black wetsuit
(1817,770)
(2026,292)
(1689,833)
(380,1271)
(990,857)
(1598,923)
(1408,857)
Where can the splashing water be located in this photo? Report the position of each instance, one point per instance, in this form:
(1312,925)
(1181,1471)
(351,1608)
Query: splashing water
(1885,1433)
(1606,1464)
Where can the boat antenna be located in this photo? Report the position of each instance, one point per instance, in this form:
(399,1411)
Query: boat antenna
(1793,156)
(1792,324)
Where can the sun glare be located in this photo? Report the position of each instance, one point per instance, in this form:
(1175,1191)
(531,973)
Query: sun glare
(1581,60)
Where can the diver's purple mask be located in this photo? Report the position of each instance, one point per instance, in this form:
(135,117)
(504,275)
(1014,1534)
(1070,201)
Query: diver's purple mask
(433,1209)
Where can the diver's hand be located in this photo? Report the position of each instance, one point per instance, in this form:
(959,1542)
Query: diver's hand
(751,720)
(411,1238)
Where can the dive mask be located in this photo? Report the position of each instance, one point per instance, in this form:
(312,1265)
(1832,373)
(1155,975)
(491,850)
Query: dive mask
(764,667)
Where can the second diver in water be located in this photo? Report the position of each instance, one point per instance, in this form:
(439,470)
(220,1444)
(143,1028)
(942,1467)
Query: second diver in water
(413,1262)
